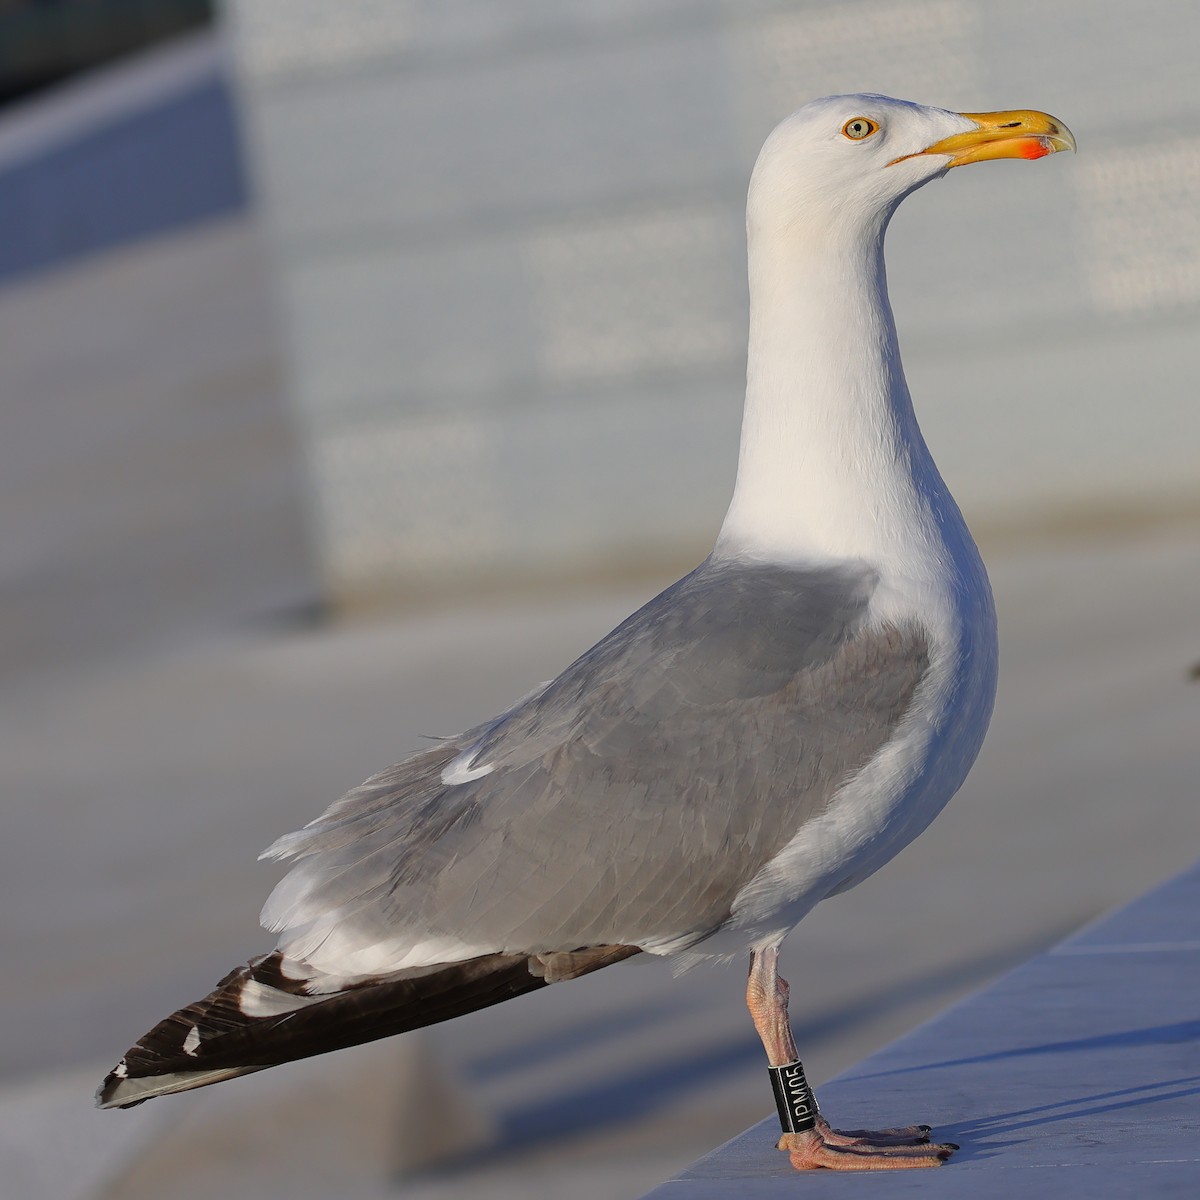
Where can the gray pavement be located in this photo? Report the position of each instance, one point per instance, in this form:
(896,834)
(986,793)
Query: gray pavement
(138,794)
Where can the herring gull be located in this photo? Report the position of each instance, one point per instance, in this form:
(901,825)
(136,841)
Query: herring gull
(764,734)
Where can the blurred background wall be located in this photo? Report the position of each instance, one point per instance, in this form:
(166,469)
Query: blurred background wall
(498,330)
(510,238)
(150,479)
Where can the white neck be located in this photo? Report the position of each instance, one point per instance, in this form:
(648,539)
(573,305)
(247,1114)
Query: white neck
(832,462)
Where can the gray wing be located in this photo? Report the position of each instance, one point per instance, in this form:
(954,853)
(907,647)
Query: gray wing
(632,797)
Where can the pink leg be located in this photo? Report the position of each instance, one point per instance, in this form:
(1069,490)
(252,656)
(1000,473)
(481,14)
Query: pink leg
(850,1150)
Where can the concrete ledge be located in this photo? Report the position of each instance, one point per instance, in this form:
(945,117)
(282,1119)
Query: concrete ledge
(1076,1074)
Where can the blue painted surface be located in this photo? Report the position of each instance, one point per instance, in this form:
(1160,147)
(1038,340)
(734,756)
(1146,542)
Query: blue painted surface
(1077,1074)
(172,165)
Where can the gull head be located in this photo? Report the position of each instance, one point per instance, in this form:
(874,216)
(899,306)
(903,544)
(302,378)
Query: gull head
(852,159)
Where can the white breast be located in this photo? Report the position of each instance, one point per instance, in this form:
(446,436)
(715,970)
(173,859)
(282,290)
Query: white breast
(899,792)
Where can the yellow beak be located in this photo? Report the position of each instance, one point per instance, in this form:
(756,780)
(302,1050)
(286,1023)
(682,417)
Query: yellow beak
(1021,133)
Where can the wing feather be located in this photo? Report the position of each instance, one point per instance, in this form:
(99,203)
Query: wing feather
(628,800)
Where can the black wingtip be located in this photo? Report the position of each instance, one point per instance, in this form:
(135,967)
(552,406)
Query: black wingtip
(215,1039)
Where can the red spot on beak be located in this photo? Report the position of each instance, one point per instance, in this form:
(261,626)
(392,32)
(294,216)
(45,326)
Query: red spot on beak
(1034,148)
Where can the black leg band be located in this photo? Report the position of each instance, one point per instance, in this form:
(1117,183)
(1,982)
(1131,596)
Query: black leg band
(793,1098)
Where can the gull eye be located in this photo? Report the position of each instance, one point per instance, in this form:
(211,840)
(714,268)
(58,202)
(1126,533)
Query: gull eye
(858,128)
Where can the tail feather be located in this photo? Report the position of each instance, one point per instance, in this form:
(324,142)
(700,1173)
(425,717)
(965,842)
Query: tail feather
(258,1017)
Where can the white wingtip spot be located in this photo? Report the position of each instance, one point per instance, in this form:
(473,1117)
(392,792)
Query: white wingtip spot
(120,1071)
(191,1043)
(459,770)
(256,1000)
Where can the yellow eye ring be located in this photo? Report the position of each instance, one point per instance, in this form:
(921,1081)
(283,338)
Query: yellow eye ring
(858,128)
